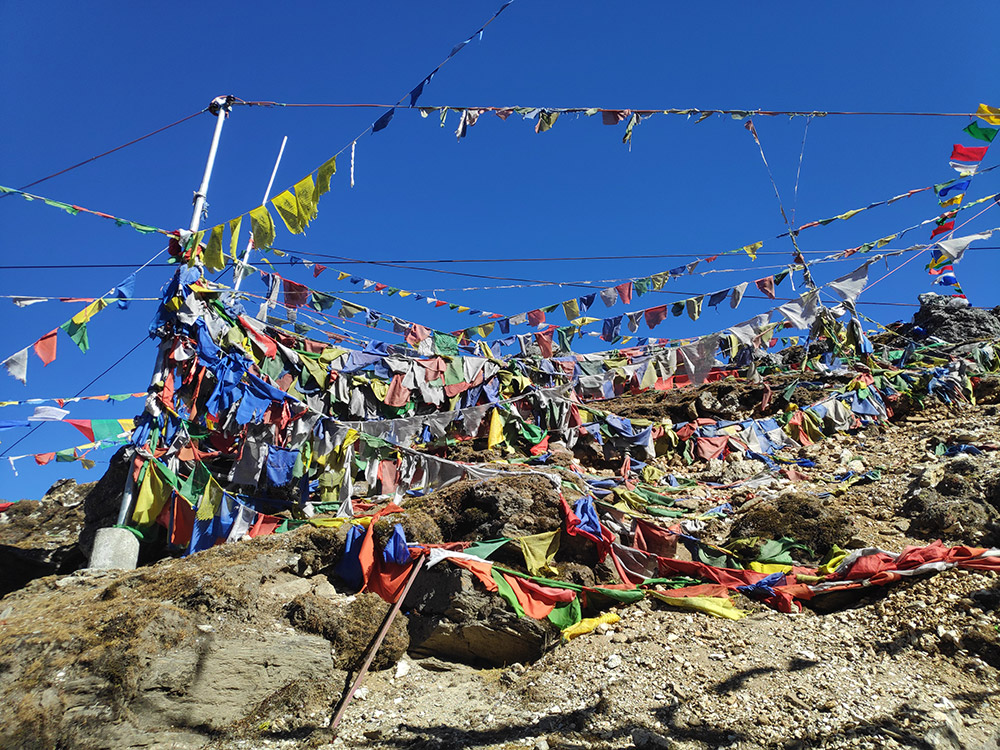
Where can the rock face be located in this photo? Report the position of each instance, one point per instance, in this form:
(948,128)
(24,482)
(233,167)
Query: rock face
(952,319)
(958,500)
(450,618)
(39,537)
(169,655)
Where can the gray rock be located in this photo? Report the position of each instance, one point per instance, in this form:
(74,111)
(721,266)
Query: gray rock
(215,681)
(450,618)
(114,549)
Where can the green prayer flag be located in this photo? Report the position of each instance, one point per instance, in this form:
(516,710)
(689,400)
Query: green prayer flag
(566,615)
(983,134)
(321,301)
(485,548)
(77,332)
(445,344)
(507,592)
(105,429)
(69,209)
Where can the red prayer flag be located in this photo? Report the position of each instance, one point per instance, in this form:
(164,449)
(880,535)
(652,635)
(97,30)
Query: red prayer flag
(84,426)
(43,458)
(296,295)
(264,525)
(766,285)
(536,317)
(318,269)
(183,521)
(45,347)
(656,315)
(946,227)
(544,341)
(625,292)
(968,153)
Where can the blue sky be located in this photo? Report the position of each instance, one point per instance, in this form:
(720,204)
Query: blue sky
(78,81)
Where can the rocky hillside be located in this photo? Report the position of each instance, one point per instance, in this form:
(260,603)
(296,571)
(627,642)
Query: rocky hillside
(252,644)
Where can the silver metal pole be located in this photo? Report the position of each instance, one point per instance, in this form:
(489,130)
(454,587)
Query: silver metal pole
(220,107)
(238,271)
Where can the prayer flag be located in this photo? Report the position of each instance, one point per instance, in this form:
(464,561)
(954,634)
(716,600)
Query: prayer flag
(45,347)
(989,114)
(968,153)
(262,226)
(17,365)
(978,132)
(946,227)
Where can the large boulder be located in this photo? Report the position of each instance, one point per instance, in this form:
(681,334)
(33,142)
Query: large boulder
(452,618)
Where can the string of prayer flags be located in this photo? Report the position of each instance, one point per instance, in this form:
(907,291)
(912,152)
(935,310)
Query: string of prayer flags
(73,399)
(77,453)
(73,210)
(298,205)
(965,160)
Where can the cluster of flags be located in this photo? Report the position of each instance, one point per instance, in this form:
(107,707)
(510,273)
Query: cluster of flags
(44,348)
(965,160)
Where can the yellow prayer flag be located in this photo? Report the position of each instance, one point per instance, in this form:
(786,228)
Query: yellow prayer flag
(288,210)
(989,114)
(953,201)
(769,568)
(323,175)
(305,198)
(152,498)
(589,624)
(709,604)
(341,275)
(539,551)
(214,259)
(463,309)
(234,235)
(262,226)
(194,248)
(849,214)
(90,311)
(571,308)
(211,501)
(496,429)
(127,425)
(751,250)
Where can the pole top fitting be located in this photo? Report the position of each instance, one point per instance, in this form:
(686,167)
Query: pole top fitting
(221,104)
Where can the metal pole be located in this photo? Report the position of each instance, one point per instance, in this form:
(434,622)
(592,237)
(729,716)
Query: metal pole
(220,107)
(238,271)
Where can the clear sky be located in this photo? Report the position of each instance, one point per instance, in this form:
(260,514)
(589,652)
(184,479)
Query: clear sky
(81,78)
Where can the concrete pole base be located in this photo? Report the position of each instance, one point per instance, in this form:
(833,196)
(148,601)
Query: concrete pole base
(115,549)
